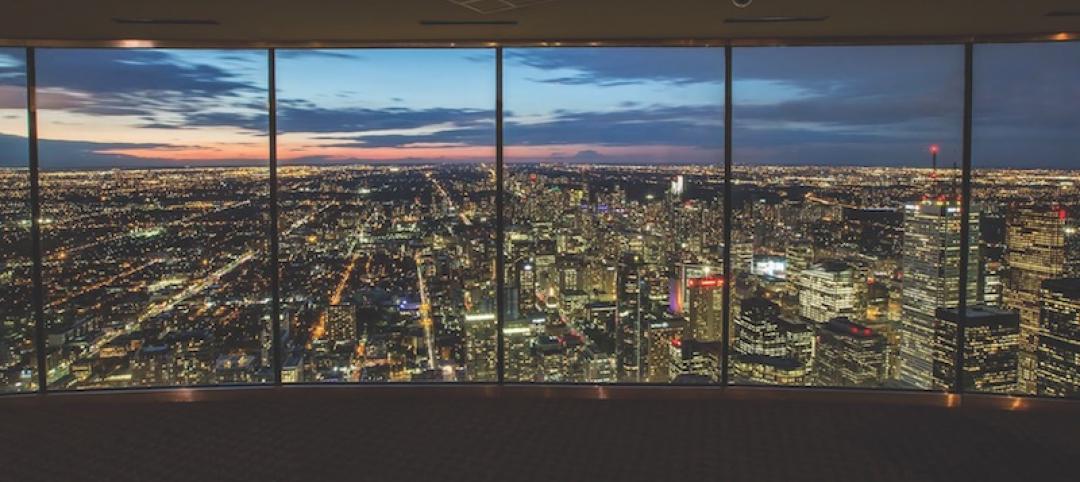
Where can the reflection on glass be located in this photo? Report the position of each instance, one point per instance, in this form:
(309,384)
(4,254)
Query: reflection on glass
(155,217)
(17,358)
(614,215)
(1024,335)
(387,215)
(846,232)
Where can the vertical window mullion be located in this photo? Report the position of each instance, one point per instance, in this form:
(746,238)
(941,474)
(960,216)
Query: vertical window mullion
(275,271)
(965,224)
(500,221)
(725,351)
(38,296)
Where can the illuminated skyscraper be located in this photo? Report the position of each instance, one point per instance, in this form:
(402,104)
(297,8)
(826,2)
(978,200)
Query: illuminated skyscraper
(706,312)
(827,291)
(990,348)
(800,255)
(1058,362)
(660,335)
(1072,247)
(629,327)
(481,347)
(678,186)
(769,349)
(931,280)
(742,254)
(527,285)
(1034,252)
(684,273)
(518,335)
(991,254)
(849,355)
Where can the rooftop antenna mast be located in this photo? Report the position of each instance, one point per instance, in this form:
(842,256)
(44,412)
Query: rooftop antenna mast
(933,161)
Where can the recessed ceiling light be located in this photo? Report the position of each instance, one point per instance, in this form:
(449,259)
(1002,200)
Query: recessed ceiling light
(165,21)
(774,19)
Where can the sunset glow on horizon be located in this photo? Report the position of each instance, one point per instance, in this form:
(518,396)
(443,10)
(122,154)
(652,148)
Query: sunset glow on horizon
(806,105)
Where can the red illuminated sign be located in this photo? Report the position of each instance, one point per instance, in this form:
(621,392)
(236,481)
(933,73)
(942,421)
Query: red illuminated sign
(704,282)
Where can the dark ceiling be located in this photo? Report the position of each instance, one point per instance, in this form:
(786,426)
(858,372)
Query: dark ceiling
(362,21)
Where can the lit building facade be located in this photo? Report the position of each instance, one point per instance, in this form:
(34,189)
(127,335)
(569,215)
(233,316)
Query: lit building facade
(990,353)
(769,349)
(1035,251)
(1058,363)
(827,291)
(849,354)
(931,279)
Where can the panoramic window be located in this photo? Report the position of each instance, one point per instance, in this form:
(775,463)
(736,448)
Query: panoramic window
(1023,335)
(614,215)
(846,230)
(17,358)
(387,191)
(155,224)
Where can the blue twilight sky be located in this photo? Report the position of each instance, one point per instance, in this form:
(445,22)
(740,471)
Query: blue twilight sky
(793,105)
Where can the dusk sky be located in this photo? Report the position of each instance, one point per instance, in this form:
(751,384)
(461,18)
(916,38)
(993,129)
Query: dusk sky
(793,105)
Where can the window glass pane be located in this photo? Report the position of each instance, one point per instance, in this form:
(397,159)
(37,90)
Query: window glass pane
(155,217)
(1023,335)
(17,360)
(614,190)
(846,236)
(387,214)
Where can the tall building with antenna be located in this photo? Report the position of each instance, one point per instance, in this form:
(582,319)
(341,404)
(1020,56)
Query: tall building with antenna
(930,263)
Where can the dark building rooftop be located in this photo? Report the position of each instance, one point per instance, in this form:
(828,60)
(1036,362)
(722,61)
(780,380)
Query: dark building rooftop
(1070,287)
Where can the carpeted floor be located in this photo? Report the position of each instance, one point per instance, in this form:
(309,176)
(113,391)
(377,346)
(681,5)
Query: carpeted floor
(380,439)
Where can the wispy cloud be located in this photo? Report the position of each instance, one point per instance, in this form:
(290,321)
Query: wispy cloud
(607,67)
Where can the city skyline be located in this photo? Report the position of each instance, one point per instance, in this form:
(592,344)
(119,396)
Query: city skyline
(384,263)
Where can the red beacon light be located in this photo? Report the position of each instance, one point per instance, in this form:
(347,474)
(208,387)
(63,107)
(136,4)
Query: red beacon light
(855,330)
